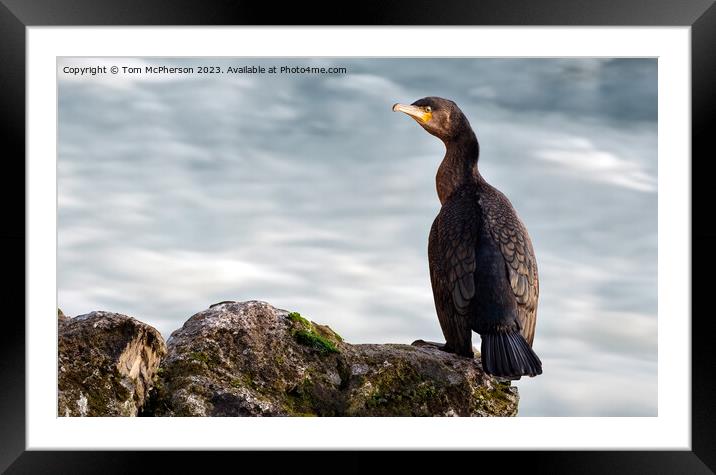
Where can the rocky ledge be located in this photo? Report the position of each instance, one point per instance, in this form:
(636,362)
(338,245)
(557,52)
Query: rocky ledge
(107,364)
(251,359)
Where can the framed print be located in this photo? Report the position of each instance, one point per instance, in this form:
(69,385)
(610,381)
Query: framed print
(232,207)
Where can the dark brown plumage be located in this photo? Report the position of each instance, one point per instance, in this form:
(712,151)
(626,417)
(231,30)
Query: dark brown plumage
(482,265)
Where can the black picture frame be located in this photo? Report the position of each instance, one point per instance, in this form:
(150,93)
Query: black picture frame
(16,15)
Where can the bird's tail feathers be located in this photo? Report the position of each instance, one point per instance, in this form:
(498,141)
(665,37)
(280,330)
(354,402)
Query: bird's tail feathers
(509,355)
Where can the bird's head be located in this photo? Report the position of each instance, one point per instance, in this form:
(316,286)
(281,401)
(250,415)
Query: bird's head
(440,117)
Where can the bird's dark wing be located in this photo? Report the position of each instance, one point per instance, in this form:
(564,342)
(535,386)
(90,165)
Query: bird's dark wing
(456,238)
(511,235)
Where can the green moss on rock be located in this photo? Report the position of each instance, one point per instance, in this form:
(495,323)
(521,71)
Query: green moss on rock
(316,341)
(401,391)
(297,318)
(496,399)
(318,337)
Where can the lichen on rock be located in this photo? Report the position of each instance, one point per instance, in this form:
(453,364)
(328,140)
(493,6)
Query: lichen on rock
(251,359)
(106,364)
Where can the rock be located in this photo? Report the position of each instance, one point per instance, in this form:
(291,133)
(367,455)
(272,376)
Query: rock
(251,359)
(107,362)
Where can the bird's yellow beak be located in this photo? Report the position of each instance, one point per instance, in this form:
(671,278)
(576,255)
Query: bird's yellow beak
(417,113)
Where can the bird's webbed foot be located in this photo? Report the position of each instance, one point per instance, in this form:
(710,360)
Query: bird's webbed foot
(432,344)
(465,351)
(446,347)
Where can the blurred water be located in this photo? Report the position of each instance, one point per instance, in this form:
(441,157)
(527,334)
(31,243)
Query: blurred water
(308,192)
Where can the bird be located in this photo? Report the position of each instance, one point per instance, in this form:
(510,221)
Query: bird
(482,263)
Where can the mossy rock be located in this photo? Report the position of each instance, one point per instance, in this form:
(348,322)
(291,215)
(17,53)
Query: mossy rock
(251,359)
(318,337)
(107,364)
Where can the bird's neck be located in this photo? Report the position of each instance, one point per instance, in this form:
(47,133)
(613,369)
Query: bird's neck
(459,166)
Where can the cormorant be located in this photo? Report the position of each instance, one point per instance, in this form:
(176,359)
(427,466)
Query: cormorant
(482,266)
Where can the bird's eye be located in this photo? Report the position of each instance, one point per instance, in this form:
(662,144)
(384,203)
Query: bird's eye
(428,109)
